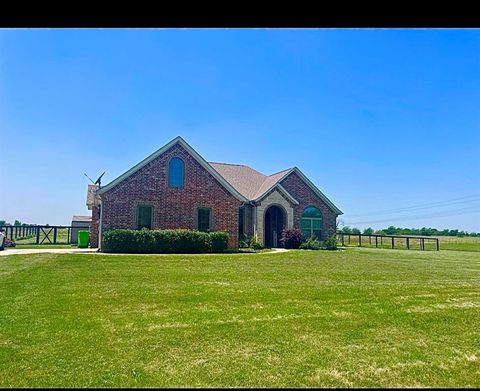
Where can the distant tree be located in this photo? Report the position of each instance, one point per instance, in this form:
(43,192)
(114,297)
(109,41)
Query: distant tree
(355,231)
(390,230)
(368,231)
(346,230)
(424,231)
(17,222)
(3,222)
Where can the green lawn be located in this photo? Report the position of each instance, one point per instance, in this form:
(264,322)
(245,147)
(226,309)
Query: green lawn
(359,317)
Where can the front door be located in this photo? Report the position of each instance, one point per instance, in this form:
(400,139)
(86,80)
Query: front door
(274,223)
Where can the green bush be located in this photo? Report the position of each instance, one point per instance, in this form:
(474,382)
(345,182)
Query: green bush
(330,243)
(219,241)
(312,243)
(249,242)
(255,245)
(243,241)
(164,241)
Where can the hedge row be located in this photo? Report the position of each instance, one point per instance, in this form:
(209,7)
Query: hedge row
(164,241)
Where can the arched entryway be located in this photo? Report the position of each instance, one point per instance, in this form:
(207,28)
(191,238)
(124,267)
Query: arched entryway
(274,223)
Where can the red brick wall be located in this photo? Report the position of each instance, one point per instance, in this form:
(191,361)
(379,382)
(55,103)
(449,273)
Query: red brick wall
(172,207)
(306,197)
(94,226)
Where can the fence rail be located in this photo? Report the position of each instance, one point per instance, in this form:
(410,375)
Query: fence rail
(38,234)
(408,240)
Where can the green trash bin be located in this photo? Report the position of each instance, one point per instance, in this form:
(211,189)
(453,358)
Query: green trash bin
(83,239)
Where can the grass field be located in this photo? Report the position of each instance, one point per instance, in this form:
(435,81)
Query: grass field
(465,243)
(359,317)
(460,244)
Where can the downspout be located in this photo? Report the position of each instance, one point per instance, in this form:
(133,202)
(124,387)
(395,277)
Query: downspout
(100,226)
(255,221)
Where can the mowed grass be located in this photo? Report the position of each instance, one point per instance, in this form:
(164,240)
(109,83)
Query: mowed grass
(359,317)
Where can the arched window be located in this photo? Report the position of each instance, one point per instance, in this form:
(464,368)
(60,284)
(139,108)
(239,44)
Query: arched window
(311,222)
(176,172)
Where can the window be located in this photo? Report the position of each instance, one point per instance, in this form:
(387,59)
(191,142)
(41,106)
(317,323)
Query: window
(144,216)
(176,172)
(311,222)
(241,219)
(203,219)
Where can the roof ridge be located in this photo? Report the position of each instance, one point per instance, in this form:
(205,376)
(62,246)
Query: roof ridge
(230,164)
(278,172)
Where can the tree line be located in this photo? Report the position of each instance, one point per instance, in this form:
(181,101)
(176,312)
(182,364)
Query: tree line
(16,223)
(424,231)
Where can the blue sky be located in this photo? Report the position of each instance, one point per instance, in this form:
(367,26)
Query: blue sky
(379,119)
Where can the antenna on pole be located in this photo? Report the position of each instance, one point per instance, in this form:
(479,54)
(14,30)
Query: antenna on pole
(91,180)
(98,181)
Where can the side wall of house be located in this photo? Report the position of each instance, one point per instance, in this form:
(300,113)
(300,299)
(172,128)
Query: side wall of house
(306,197)
(248,227)
(94,227)
(172,207)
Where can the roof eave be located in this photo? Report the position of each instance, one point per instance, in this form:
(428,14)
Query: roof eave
(317,191)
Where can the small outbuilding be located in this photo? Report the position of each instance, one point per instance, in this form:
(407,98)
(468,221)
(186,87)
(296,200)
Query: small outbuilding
(79,223)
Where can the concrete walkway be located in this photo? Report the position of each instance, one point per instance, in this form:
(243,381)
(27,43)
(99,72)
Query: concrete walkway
(15,251)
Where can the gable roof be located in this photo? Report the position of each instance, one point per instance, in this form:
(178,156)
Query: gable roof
(245,179)
(255,185)
(243,182)
(166,147)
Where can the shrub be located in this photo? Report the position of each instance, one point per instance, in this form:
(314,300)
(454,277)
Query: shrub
(164,241)
(255,245)
(219,241)
(330,243)
(312,243)
(249,242)
(243,241)
(292,237)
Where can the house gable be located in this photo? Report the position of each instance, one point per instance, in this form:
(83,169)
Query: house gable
(308,195)
(194,154)
(296,173)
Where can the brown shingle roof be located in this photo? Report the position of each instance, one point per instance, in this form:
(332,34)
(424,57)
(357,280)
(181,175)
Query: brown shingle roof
(247,181)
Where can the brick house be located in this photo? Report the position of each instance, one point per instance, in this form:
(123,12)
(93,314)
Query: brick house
(176,188)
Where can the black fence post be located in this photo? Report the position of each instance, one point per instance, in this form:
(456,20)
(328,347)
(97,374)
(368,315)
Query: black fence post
(360,240)
(38,235)
(393,245)
(408,243)
(376,241)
